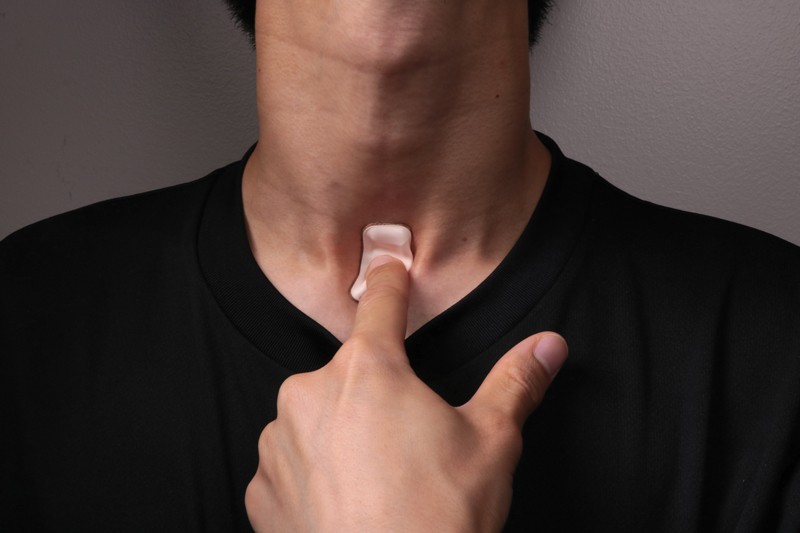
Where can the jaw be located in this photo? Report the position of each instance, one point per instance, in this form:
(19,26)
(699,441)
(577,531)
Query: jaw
(391,37)
(412,111)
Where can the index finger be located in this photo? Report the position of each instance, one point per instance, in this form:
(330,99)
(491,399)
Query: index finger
(382,313)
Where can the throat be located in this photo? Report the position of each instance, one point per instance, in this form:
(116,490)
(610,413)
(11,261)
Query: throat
(309,245)
(328,302)
(399,111)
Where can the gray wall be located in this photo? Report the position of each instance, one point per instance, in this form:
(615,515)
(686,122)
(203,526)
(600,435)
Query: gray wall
(691,104)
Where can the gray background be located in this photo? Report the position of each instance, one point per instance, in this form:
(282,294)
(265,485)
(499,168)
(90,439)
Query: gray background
(690,104)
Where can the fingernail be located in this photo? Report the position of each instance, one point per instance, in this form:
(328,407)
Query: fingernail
(380,260)
(551,352)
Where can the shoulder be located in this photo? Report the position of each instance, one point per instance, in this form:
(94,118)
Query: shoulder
(121,226)
(634,232)
(117,250)
(696,276)
(686,272)
(699,245)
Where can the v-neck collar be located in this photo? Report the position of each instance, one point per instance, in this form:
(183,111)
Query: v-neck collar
(465,330)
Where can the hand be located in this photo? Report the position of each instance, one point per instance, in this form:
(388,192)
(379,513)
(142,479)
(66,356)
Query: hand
(363,445)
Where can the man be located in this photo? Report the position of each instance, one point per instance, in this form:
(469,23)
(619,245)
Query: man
(144,340)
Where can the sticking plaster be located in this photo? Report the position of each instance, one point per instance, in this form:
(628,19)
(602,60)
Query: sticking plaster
(382,239)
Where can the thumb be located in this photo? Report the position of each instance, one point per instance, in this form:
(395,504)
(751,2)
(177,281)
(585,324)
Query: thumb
(516,385)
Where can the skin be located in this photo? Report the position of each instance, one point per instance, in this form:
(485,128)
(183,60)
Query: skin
(398,111)
(390,111)
(363,445)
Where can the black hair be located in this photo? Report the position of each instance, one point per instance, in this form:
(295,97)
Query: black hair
(244,12)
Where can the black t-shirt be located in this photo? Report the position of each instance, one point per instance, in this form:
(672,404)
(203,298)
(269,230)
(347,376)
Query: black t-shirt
(141,351)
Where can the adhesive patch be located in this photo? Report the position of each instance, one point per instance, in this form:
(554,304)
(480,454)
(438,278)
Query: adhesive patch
(382,239)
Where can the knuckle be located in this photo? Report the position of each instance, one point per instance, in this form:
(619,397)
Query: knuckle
(265,440)
(251,494)
(268,464)
(357,345)
(290,393)
(367,357)
(502,433)
(526,380)
(353,352)
(256,493)
(359,350)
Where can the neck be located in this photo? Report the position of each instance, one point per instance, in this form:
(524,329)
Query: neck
(398,111)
